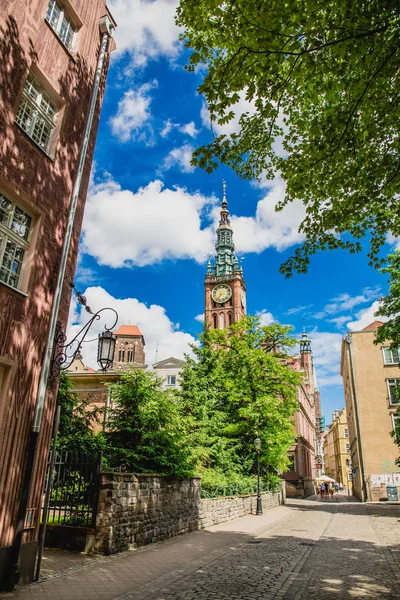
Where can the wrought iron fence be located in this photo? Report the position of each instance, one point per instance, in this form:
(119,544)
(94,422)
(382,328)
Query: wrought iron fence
(75,490)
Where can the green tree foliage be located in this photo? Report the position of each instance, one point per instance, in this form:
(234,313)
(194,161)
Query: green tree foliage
(390,304)
(238,386)
(146,433)
(324,76)
(77,418)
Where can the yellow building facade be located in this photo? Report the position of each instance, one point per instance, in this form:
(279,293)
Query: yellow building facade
(337,449)
(370,374)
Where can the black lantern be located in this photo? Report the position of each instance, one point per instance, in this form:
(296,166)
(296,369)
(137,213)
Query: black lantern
(64,352)
(105,350)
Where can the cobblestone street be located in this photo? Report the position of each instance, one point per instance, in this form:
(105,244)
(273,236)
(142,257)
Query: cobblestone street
(330,549)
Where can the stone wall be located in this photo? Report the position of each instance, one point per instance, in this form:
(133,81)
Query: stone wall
(135,510)
(219,510)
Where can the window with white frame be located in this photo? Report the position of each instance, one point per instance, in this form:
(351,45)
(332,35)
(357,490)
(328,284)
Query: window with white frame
(346,433)
(394,420)
(347,448)
(59,20)
(171,379)
(393,386)
(15,227)
(391,356)
(37,113)
(131,355)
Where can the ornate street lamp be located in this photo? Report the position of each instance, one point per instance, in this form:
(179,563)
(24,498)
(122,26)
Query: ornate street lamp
(65,352)
(257,445)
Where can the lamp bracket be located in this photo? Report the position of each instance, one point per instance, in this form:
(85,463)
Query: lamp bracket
(64,352)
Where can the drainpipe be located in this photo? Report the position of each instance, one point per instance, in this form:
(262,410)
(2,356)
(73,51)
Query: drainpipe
(106,28)
(349,341)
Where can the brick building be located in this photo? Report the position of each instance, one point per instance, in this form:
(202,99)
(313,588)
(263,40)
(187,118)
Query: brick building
(224,285)
(93,386)
(224,304)
(50,58)
(303,454)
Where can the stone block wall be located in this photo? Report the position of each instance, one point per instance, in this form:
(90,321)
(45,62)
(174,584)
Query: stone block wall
(135,510)
(219,510)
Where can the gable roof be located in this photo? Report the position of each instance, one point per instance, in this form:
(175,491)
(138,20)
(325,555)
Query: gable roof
(129,330)
(169,362)
(373,326)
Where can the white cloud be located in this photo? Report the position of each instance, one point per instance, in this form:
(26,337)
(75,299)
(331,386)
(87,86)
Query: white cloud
(298,309)
(393,241)
(345,302)
(189,129)
(326,349)
(179,157)
(132,121)
(269,228)
(123,228)
(200,318)
(241,107)
(266,318)
(168,127)
(146,29)
(365,317)
(159,332)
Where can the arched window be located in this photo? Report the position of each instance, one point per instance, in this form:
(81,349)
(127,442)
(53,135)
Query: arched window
(229,319)
(222,321)
(131,354)
(215,321)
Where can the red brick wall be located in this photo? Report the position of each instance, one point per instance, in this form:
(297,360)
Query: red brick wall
(44,186)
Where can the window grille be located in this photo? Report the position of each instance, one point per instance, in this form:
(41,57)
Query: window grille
(61,23)
(37,113)
(15,227)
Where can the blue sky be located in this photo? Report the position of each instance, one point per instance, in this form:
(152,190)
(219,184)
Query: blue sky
(150,217)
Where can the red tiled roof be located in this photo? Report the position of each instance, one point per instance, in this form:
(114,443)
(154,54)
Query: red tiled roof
(128,330)
(374,325)
(89,369)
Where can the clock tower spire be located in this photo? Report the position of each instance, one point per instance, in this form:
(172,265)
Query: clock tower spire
(225,288)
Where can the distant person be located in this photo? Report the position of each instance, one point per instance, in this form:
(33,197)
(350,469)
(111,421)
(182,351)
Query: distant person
(336,486)
(322,489)
(331,491)
(341,487)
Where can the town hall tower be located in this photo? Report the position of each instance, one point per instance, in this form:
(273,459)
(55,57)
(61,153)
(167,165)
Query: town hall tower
(225,288)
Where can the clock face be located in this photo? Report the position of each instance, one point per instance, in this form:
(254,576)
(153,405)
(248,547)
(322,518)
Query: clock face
(221,293)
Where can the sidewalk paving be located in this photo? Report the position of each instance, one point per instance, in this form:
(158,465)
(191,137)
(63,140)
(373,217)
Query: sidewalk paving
(306,550)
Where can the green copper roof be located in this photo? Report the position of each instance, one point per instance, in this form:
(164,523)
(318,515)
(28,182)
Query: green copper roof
(226,263)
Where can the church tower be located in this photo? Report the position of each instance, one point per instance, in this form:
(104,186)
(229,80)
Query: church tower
(225,288)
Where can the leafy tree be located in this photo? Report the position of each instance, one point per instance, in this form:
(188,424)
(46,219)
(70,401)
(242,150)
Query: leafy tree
(324,76)
(75,432)
(239,386)
(146,432)
(390,304)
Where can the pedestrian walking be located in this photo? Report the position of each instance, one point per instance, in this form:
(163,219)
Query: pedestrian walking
(322,490)
(331,490)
